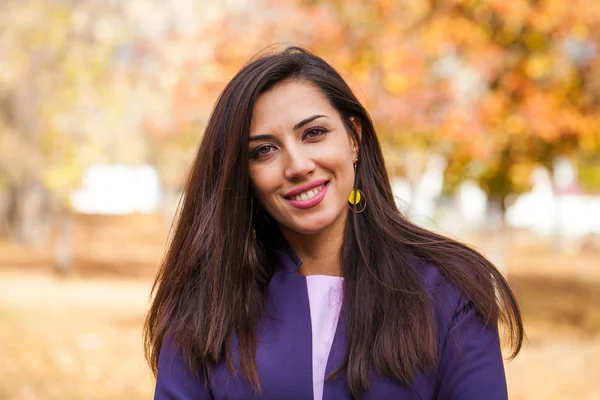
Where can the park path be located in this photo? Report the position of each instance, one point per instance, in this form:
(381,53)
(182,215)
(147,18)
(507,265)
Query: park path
(80,338)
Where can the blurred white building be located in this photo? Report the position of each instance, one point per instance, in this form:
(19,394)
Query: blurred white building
(118,189)
(556,207)
(552,207)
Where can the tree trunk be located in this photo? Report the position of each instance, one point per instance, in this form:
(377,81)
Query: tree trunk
(62,243)
(25,213)
(170,202)
(4,214)
(498,248)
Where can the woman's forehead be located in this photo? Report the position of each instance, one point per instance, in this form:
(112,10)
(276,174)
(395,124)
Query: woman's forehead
(288,103)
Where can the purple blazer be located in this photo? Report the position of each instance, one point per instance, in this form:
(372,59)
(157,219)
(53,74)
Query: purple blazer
(469,365)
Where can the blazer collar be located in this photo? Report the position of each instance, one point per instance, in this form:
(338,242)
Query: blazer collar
(285,258)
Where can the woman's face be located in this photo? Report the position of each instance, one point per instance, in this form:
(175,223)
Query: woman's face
(301,158)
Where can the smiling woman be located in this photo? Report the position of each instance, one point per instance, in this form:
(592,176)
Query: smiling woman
(281,282)
(304,179)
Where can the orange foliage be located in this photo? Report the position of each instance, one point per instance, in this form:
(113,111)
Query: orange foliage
(491,77)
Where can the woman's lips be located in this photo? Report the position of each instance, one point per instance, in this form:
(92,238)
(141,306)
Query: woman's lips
(304,188)
(316,199)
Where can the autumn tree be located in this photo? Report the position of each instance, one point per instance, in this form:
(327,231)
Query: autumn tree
(61,110)
(495,87)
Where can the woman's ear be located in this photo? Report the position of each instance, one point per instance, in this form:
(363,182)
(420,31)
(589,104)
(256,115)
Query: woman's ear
(357,126)
(356,139)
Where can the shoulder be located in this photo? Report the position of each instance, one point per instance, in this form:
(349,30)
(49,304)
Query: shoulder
(434,282)
(469,364)
(445,297)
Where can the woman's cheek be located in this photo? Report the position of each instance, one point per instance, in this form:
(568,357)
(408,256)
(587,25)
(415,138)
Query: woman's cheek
(266,188)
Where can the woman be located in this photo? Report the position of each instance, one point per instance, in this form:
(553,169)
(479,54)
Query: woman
(292,275)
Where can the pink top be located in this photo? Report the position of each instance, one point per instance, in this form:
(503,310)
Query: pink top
(325,295)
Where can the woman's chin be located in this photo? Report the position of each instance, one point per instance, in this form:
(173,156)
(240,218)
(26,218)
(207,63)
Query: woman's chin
(311,228)
(313,224)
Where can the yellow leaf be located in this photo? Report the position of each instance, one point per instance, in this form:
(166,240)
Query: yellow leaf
(538,66)
(580,31)
(515,124)
(395,83)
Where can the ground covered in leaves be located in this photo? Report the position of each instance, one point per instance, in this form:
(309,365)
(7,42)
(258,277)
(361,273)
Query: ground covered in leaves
(79,336)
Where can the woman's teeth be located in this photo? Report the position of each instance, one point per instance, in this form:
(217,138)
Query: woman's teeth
(308,194)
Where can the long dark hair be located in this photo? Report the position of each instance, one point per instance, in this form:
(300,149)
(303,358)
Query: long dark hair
(213,280)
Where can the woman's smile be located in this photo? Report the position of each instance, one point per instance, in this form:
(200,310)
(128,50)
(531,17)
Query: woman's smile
(309,198)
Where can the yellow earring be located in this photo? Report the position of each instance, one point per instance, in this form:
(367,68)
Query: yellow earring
(356,196)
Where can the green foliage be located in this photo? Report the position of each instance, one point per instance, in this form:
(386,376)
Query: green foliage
(589,173)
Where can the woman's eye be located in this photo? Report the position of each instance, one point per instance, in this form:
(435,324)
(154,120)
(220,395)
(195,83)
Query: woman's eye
(262,151)
(314,133)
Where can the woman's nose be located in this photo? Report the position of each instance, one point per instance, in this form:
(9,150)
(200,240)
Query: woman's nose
(299,164)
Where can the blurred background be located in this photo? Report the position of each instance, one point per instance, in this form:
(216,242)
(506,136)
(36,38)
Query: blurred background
(487,110)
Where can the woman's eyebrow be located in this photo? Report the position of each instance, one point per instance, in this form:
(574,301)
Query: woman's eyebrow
(297,126)
(307,120)
(261,137)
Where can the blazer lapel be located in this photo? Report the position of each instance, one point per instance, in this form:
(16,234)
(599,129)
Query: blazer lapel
(284,352)
(336,389)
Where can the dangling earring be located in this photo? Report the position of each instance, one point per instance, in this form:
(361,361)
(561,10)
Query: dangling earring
(356,196)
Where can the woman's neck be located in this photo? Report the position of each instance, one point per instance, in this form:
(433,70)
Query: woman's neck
(320,253)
